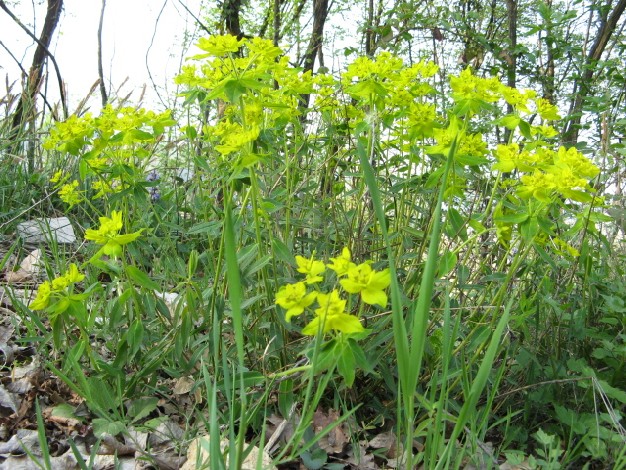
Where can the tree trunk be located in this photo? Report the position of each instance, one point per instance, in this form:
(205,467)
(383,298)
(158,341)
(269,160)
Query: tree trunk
(320,13)
(582,87)
(25,109)
(511,62)
(230,13)
(103,90)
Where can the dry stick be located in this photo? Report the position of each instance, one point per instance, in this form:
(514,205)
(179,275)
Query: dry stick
(195,18)
(154,31)
(45,49)
(538,384)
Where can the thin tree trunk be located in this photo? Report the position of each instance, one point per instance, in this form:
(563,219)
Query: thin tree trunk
(103,90)
(276,22)
(25,109)
(230,14)
(584,83)
(369,29)
(511,69)
(320,13)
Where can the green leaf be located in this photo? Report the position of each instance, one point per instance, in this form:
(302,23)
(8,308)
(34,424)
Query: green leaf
(456,224)
(360,358)
(134,336)
(103,426)
(524,128)
(212,228)
(282,252)
(140,135)
(234,89)
(346,364)
(142,407)
(529,229)
(510,121)
(285,397)
(446,263)
(509,219)
(141,278)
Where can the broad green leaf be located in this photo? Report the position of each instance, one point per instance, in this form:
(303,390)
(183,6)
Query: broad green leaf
(142,407)
(141,278)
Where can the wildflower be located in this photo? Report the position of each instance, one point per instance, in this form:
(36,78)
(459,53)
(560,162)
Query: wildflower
(43,296)
(108,234)
(155,194)
(369,283)
(294,299)
(69,194)
(539,185)
(58,285)
(341,263)
(547,110)
(580,164)
(218,46)
(153,176)
(56,177)
(331,315)
(312,268)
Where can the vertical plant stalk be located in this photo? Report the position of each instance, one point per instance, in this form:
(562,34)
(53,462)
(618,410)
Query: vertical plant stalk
(409,353)
(235,294)
(477,386)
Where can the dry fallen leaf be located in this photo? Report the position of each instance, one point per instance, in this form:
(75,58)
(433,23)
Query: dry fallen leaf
(183,385)
(334,441)
(198,454)
(30,267)
(360,459)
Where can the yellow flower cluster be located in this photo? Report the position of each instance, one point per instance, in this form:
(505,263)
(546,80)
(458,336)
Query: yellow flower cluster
(258,86)
(565,172)
(70,194)
(57,288)
(73,134)
(331,313)
(108,234)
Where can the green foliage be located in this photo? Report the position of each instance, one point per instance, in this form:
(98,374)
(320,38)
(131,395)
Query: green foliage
(490,253)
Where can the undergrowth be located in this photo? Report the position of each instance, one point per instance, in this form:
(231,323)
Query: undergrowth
(383,252)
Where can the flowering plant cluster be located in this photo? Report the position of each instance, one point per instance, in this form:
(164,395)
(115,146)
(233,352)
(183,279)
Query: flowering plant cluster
(59,291)
(331,314)
(256,85)
(114,149)
(108,235)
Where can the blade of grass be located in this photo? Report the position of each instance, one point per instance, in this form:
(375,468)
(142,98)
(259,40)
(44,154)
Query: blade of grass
(235,295)
(477,385)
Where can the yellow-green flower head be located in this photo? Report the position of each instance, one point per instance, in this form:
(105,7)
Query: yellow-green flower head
(56,177)
(108,234)
(43,296)
(518,99)
(507,156)
(580,164)
(311,267)
(547,110)
(219,46)
(263,49)
(72,276)
(331,315)
(539,185)
(70,194)
(362,279)
(341,264)
(294,299)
